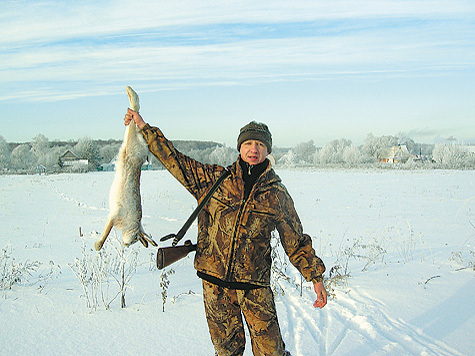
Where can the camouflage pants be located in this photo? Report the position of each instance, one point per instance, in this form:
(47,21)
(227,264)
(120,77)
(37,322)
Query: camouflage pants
(224,309)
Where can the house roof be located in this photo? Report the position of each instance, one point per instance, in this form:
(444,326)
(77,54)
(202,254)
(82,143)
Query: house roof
(400,151)
(69,156)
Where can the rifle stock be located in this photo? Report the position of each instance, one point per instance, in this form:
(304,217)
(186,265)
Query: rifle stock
(168,255)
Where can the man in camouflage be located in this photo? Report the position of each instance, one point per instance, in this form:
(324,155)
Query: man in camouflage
(233,256)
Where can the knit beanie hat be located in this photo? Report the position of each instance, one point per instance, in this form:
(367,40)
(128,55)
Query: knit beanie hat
(255,131)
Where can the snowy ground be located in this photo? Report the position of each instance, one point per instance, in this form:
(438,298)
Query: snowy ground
(416,298)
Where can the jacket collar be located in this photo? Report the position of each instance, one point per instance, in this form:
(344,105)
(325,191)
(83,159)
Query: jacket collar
(267,177)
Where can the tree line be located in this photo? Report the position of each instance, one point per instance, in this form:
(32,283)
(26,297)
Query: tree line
(44,155)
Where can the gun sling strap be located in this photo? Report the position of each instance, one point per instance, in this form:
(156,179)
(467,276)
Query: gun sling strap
(177,237)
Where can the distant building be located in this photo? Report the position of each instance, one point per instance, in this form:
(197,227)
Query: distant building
(69,158)
(40,169)
(468,148)
(396,154)
(108,167)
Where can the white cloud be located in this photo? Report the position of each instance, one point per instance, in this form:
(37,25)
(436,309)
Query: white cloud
(27,21)
(178,44)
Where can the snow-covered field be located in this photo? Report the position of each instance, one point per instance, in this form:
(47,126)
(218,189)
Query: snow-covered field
(416,296)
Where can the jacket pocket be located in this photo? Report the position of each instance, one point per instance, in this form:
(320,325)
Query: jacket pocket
(229,205)
(265,213)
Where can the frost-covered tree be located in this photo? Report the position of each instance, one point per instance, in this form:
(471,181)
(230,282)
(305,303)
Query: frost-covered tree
(376,146)
(278,152)
(223,155)
(289,159)
(23,158)
(304,152)
(370,146)
(4,155)
(452,156)
(88,149)
(108,152)
(40,147)
(404,139)
(51,159)
(351,155)
(201,155)
(333,152)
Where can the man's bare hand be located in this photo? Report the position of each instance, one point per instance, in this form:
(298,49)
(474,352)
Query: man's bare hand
(133,115)
(319,289)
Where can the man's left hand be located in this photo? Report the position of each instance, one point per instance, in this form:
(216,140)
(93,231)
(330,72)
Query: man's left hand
(319,289)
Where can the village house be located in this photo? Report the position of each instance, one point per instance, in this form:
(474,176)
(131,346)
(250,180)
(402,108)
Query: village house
(108,167)
(396,154)
(69,158)
(470,148)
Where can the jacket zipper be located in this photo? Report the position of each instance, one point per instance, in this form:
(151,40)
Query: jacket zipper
(236,228)
(233,244)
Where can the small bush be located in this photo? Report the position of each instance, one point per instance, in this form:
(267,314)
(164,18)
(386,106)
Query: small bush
(14,272)
(96,270)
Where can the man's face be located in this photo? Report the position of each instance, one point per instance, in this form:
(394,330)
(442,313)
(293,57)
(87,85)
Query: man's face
(253,152)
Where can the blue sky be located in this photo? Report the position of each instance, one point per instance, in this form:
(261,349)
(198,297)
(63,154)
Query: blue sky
(312,70)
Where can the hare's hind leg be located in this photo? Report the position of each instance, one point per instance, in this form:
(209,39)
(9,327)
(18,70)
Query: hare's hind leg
(107,229)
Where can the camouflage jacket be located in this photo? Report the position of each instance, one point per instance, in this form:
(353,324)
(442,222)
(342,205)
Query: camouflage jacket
(234,235)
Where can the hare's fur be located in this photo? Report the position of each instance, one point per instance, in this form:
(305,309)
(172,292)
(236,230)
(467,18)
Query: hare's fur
(125,207)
